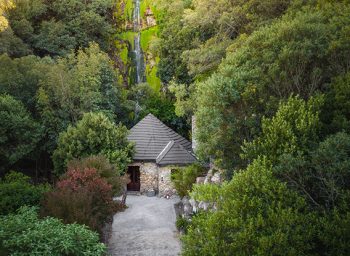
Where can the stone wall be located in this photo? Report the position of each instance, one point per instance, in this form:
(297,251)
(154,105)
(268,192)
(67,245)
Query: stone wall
(155,178)
(189,206)
(148,177)
(166,187)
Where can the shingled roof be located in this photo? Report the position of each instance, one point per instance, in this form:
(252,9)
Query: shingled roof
(155,142)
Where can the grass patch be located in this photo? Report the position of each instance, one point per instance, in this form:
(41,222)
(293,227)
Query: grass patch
(128,10)
(128,36)
(152,78)
(146,37)
(124,55)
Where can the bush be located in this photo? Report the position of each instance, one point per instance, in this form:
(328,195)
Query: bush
(182,224)
(16,191)
(25,234)
(95,134)
(184,178)
(81,196)
(104,168)
(256,215)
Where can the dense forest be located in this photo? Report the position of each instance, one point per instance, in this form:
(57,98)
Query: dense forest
(267,81)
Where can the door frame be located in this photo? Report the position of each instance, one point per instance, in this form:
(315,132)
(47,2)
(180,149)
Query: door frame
(135,181)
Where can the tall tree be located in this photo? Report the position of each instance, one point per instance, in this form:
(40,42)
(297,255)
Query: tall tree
(77,84)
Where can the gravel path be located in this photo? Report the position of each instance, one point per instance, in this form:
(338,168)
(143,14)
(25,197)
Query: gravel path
(146,228)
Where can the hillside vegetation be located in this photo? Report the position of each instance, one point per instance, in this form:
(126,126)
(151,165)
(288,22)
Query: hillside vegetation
(267,80)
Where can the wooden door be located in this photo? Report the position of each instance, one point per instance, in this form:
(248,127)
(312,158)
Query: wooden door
(134,174)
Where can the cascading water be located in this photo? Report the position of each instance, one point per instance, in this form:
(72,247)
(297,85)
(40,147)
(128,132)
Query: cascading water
(137,41)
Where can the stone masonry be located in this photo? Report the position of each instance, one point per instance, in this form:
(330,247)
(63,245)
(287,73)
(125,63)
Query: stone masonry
(155,178)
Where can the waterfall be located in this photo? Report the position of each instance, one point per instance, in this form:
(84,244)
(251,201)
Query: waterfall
(137,41)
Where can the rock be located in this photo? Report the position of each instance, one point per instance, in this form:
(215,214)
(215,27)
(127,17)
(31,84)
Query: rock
(203,205)
(216,178)
(151,193)
(200,180)
(194,205)
(188,210)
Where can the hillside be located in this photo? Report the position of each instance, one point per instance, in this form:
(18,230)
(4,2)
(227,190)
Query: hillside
(262,88)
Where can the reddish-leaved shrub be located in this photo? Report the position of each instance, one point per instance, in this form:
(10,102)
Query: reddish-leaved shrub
(104,168)
(81,196)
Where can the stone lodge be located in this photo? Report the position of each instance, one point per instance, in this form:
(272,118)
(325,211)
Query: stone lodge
(158,150)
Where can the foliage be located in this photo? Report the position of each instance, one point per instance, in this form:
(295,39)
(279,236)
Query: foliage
(160,105)
(19,133)
(184,178)
(94,134)
(81,196)
(57,27)
(297,54)
(256,214)
(291,130)
(4,5)
(25,234)
(104,168)
(17,191)
(182,224)
(321,175)
(20,78)
(175,38)
(196,34)
(80,83)
(335,113)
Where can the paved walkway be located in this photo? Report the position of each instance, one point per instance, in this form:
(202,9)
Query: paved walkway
(146,228)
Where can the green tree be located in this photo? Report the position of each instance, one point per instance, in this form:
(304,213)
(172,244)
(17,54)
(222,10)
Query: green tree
(321,174)
(55,27)
(255,215)
(19,133)
(95,134)
(54,39)
(297,54)
(80,83)
(20,78)
(293,129)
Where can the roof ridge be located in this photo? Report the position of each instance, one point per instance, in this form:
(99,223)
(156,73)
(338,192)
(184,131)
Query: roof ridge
(174,149)
(165,151)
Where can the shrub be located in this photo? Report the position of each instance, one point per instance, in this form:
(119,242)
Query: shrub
(256,215)
(16,191)
(184,178)
(95,134)
(104,168)
(25,234)
(182,224)
(81,196)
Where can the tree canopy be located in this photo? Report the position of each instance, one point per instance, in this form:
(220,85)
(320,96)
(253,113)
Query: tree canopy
(94,134)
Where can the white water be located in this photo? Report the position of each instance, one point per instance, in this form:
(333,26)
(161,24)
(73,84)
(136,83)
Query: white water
(137,41)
